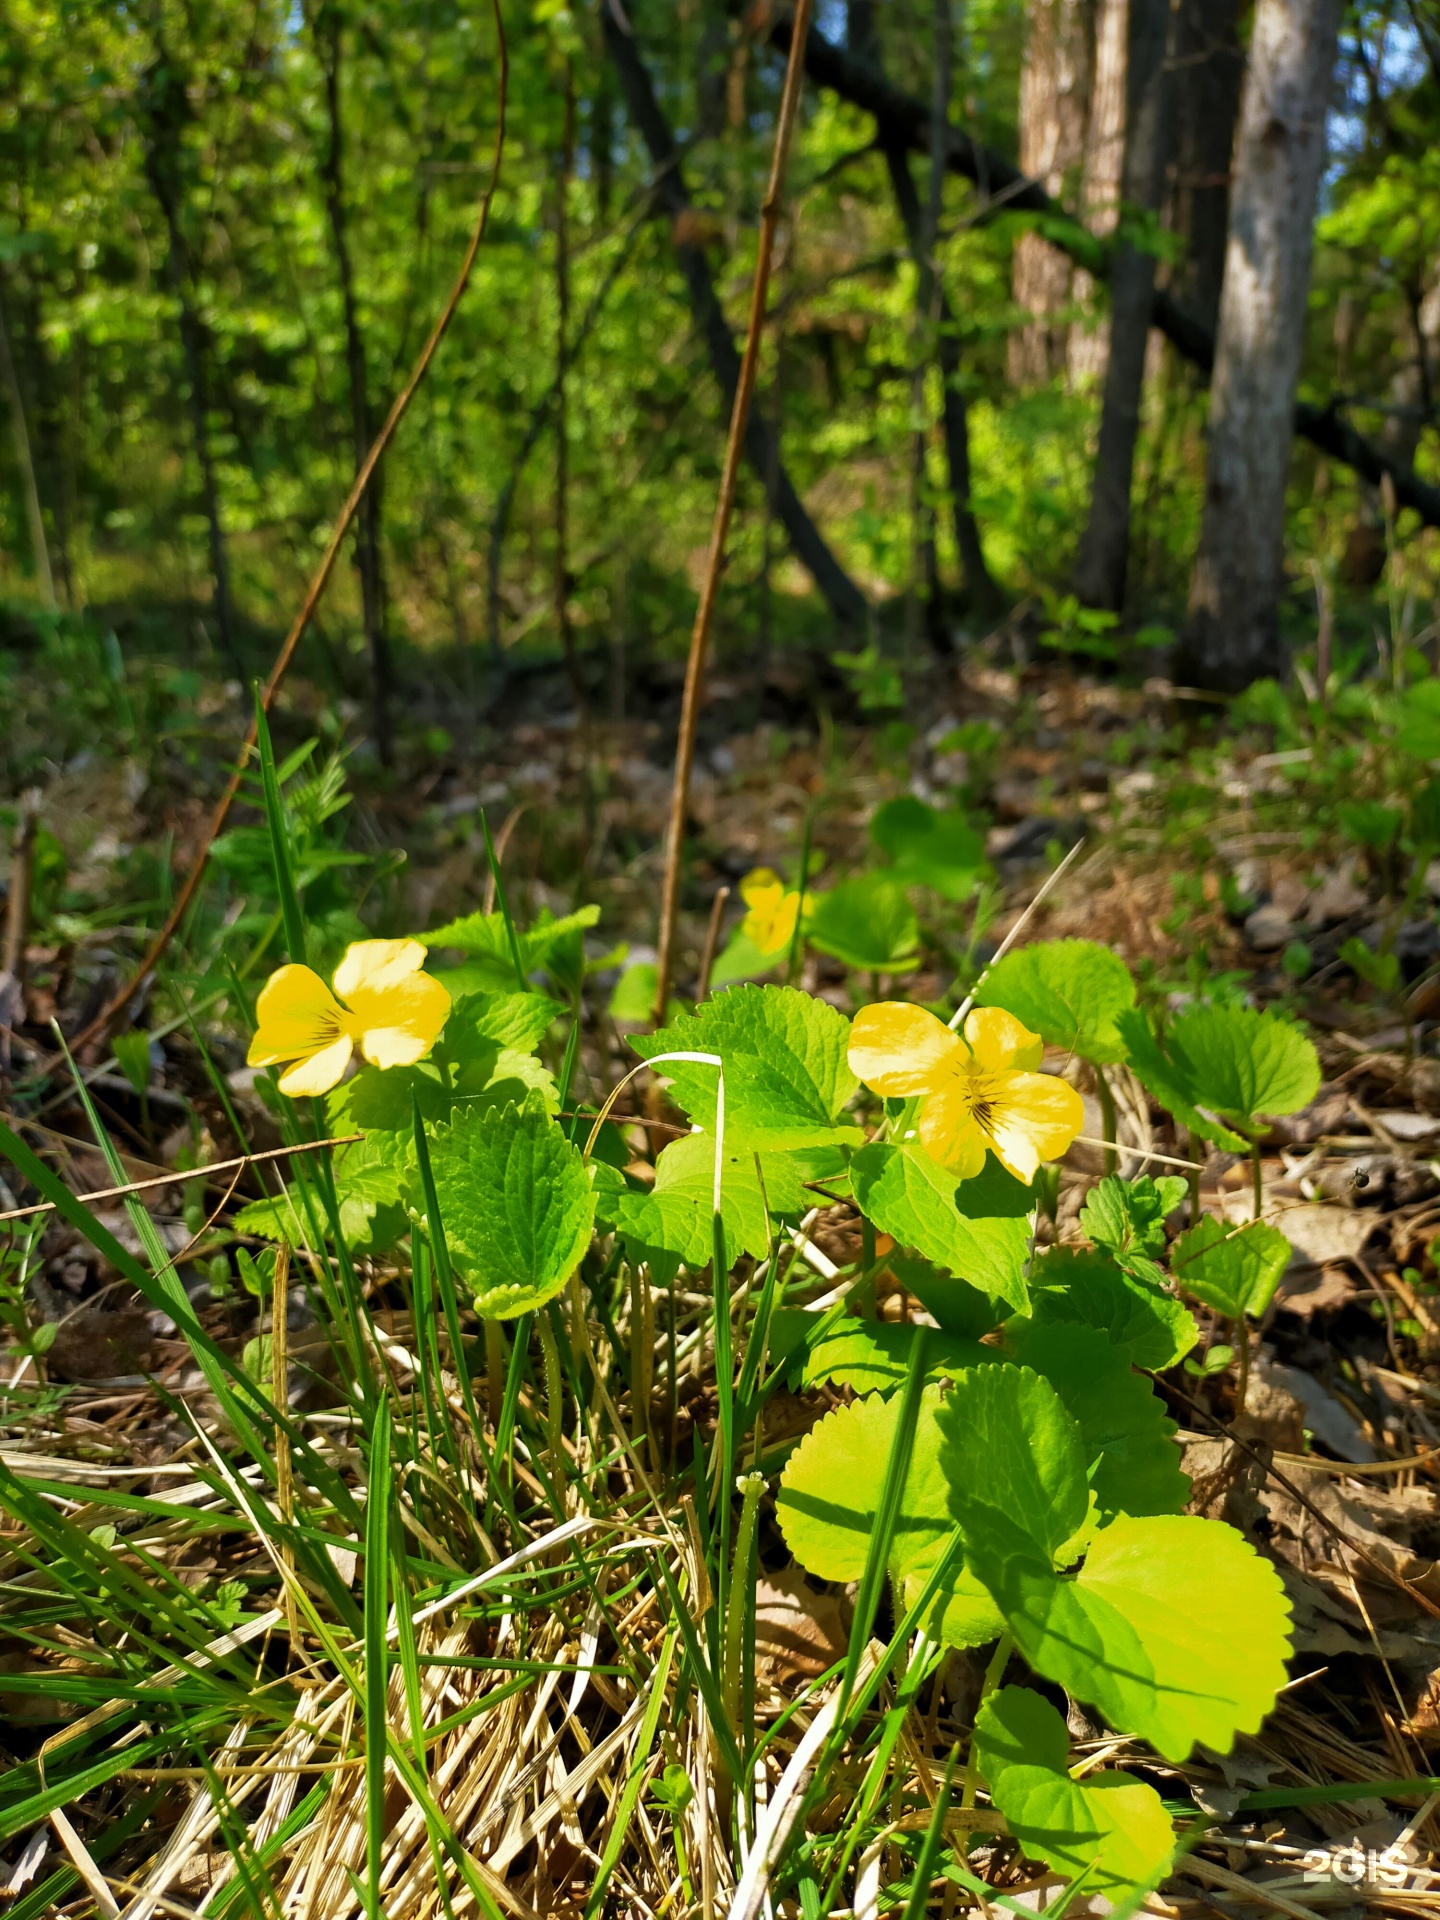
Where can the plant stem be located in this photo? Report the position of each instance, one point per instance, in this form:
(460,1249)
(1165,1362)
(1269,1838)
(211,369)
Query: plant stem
(751,1487)
(1241,1338)
(994,1674)
(1257,1179)
(494,1371)
(554,1395)
(1107,1116)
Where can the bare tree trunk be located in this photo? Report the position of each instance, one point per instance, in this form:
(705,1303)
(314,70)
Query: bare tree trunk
(1105,544)
(1089,345)
(20,434)
(326,32)
(1055,83)
(164,112)
(845,598)
(1209,73)
(562,396)
(1232,635)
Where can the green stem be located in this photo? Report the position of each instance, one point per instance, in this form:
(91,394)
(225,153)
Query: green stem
(994,1674)
(554,1395)
(1257,1179)
(1241,1337)
(751,1486)
(1107,1117)
(494,1369)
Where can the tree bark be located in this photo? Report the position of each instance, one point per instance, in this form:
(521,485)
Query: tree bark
(1209,73)
(845,599)
(163,113)
(1105,543)
(326,33)
(904,121)
(1088,340)
(1232,634)
(1055,84)
(20,436)
(563,580)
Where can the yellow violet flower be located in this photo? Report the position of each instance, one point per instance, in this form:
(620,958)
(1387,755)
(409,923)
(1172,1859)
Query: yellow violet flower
(770,922)
(391,1009)
(982,1091)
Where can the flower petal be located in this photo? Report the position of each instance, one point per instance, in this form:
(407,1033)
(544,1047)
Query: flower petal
(295,1014)
(321,1071)
(1036,1119)
(761,884)
(950,1133)
(400,1024)
(899,1050)
(375,966)
(1000,1043)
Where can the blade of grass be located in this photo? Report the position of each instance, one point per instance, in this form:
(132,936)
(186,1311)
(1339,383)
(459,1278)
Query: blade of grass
(624,1811)
(279,837)
(516,956)
(377,1656)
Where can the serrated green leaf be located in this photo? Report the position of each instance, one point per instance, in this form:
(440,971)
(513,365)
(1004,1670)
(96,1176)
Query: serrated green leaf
(1110,1827)
(867,923)
(1127,1217)
(1228,1059)
(1015,1465)
(872,1356)
(1233,1269)
(741,959)
(787,1079)
(1070,992)
(913,1199)
(516,1203)
(481,1023)
(673,1224)
(484,935)
(1128,1439)
(1174,1629)
(1073,1286)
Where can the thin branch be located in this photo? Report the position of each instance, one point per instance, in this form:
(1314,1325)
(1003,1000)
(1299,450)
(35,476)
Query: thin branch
(105,1019)
(188,1173)
(724,507)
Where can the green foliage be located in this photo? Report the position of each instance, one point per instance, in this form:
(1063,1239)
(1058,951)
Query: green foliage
(1071,992)
(1108,1828)
(1228,1060)
(872,1356)
(787,1079)
(868,923)
(489,965)
(1233,1269)
(1127,1219)
(940,850)
(515,1201)
(1173,1627)
(1072,1287)
(916,1200)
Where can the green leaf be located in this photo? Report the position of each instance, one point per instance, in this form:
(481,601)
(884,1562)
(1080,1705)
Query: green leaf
(1230,1059)
(483,937)
(1072,1286)
(1014,1463)
(867,923)
(1110,1827)
(1233,1269)
(633,999)
(132,1055)
(672,1224)
(933,849)
(516,1203)
(1174,1628)
(1127,1217)
(1168,1078)
(787,1078)
(872,1356)
(1070,992)
(1369,823)
(1418,732)
(741,959)
(956,1306)
(913,1199)
(1128,1439)
(483,1023)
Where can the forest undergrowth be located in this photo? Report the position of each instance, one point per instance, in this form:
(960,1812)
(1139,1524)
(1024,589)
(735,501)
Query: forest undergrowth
(1037,1509)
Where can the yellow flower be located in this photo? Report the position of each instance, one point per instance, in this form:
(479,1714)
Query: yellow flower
(770,923)
(981,1091)
(392,1009)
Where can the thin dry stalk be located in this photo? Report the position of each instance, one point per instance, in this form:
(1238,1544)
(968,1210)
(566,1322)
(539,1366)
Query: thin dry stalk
(108,1014)
(724,507)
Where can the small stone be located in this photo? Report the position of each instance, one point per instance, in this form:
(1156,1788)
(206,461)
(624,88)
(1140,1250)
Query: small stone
(1268,929)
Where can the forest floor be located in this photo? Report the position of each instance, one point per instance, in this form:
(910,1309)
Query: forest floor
(1212,857)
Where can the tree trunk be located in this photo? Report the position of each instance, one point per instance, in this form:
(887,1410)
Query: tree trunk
(1209,72)
(1232,634)
(20,435)
(164,112)
(1105,544)
(325,29)
(1089,340)
(1054,107)
(846,600)
(562,397)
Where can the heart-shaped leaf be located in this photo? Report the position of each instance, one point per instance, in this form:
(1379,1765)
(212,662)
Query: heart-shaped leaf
(868,923)
(934,849)
(1233,1269)
(1148,1324)
(1236,1062)
(1070,992)
(913,1199)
